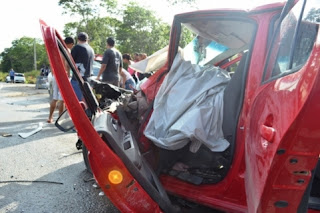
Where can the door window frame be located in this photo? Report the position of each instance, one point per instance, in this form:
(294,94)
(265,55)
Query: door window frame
(291,69)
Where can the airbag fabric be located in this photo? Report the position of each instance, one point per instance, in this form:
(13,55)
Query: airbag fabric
(189,107)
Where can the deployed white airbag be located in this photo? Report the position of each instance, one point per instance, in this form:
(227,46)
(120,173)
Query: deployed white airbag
(189,107)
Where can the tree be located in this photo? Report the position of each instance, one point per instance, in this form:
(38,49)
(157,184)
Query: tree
(313,15)
(87,9)
(135,28)
(20,56)
(98,30)
(84,8)
(189,2)
(186,37)
(141,31)
(90,20)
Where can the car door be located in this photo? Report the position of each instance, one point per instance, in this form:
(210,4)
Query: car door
(283,123)
(118,177)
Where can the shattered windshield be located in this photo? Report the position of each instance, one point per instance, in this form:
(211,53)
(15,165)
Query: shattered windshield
(200,50)
(216,40)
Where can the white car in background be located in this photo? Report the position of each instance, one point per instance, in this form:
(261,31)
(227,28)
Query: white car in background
(18,78)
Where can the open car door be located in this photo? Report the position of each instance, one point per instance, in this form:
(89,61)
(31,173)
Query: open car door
(131,187)
(283,125)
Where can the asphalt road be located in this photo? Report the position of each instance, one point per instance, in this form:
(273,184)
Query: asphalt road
(47,156)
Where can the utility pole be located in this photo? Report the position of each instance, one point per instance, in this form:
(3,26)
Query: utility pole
(35,55)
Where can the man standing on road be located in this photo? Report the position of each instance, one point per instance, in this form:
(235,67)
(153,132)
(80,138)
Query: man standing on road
(11,74)
(111,64)
(83,56)
(56,96)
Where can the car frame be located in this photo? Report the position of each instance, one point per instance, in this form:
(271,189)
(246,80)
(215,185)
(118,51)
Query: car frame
(275,145)
(42,82)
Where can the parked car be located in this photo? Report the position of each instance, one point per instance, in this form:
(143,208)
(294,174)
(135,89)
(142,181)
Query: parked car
(18,78)
(42,82)
(96,68)
(140,151)
(8,79)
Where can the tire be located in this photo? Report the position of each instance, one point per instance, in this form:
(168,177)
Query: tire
(85,158)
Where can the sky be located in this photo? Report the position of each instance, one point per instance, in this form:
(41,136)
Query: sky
(21,17)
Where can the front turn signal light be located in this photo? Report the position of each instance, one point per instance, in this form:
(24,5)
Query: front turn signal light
(115,177)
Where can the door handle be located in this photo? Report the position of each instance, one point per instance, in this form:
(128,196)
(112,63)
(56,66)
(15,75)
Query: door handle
(267,133)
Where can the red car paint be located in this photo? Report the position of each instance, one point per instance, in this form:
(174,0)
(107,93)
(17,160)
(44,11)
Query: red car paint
(102,159)
(277,138)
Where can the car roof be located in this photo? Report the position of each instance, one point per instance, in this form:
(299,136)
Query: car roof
(231,33)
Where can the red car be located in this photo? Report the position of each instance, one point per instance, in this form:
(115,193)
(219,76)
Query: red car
(265,64)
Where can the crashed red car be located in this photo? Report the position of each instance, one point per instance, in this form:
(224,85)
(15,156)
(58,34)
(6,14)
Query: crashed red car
(265,64)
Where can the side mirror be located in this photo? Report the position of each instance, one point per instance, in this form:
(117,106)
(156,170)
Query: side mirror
(64,122)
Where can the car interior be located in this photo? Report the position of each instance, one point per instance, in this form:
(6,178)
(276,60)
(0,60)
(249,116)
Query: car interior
(216,43)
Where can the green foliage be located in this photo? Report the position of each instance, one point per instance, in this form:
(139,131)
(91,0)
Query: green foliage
(186,37)
(110,6)
(137,31)
(84,8)
(189,2)
(20,56)
(141,31)
(313,15)
(87,9)
(98,30)
(3,76)
(135,28)
(31,76)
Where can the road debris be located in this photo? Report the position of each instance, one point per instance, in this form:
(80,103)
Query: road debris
(4,134)
(30,181)
(27,134)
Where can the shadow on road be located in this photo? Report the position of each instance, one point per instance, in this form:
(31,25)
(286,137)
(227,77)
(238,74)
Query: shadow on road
(75,194)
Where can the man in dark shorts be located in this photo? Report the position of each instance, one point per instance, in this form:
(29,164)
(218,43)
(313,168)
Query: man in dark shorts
(83,56)
(11,74)
(111,64)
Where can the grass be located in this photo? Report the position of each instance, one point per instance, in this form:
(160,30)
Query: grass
(30,76)
(3,76)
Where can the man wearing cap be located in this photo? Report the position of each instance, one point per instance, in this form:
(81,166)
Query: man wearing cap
(111,64)
(83,56)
